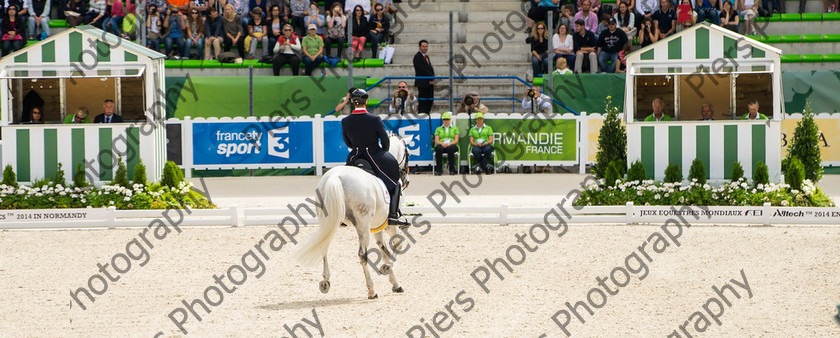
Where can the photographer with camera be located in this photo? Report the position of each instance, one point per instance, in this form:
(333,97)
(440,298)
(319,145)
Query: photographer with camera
(536,102)
(471,103)
(403,101)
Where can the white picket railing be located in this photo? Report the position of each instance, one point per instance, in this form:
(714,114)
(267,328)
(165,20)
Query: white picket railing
(501,215)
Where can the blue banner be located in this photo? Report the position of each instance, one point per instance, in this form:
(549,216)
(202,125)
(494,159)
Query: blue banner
(253,143)
(417,134)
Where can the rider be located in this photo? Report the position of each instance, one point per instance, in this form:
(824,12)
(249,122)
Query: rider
(365,134)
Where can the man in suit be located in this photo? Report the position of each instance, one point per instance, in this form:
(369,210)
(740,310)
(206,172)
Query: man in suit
(425,87)
(108,116)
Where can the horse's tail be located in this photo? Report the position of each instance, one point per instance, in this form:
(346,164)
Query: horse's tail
(330,217)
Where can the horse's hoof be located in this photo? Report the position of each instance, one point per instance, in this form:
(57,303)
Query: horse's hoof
(324,285)
(386,269)
(398,289)
(375,296)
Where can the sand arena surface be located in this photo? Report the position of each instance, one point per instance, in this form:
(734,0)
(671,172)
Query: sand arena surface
(792,271)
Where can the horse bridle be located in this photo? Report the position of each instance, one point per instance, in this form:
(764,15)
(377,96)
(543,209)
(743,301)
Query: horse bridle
(403,165)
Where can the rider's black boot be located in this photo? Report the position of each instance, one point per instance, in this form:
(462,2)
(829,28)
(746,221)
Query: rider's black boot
(394,213)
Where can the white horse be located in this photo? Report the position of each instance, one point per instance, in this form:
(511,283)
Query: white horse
(354,197)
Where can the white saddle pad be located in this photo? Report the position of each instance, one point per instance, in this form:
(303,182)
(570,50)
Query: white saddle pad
(384,190)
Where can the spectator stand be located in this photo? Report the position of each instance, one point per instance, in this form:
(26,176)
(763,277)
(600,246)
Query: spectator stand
(82,67)
(705,64)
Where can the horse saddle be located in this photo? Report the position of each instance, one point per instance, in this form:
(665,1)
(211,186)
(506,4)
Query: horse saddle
(364,165)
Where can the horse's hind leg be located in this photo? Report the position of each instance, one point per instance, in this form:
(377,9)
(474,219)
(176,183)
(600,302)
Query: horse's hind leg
(325,284)
(387,267)
(364,242)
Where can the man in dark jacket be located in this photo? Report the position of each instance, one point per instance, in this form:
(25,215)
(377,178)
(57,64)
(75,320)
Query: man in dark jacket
(610,43)
(364,133)
(425,87)
(109,116)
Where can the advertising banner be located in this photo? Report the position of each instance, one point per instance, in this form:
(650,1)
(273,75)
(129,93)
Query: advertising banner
(724,214)
(534,139)
(416,133)
(284,143)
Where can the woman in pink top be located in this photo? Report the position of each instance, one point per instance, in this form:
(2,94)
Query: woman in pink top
(112,24)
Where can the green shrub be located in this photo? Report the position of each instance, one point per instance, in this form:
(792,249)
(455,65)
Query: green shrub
(697,171)
(121,176)
(58,179)
(760,174)
(9,177)
(673,173)
(139,173)
(795,173)
(79,178)
(42,182)
(737,172)
(612,141)
(805,145)
(636,172)
(613,173)
(172,175)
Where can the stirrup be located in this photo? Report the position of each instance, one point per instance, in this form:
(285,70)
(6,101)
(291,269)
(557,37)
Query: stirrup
(397,221)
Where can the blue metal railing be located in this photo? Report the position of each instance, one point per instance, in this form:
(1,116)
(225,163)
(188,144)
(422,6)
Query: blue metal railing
(514,100)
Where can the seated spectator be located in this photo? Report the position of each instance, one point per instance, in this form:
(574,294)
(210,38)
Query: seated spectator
(658,112)
(471,103)
(481,140)
(232,28)
(113,22)
(665,20)
(336,29)
(73,10)
(13,31)
(96,13)
(828,9)
(589,18)
(313,50)
(261,4)
(214,34)
(686,17)
(379,24)
(109,113)
(22,7)
(626,20)
(81,116)
(754,114)
(622,58)
(297,11)
(154,27)
(350,6)
(314,18)
(748,10)
(35,116)
(276,20)
(360,32)
(195,34)
(285,51)
(536,102)
(540,12)
(173,25)
(585,48)
(729,17)
(648,33)
(564,44)
(603,25)
(708,9)
(567,16)
(561,67)
(257,32)
(645,10)
(595,5)
(707,112)
(610,44)
(539,50)
(446,141)
(403,102)
(39,16)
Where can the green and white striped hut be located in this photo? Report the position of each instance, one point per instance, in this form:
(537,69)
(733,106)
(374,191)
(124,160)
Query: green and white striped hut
(78,70)
(704,69)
